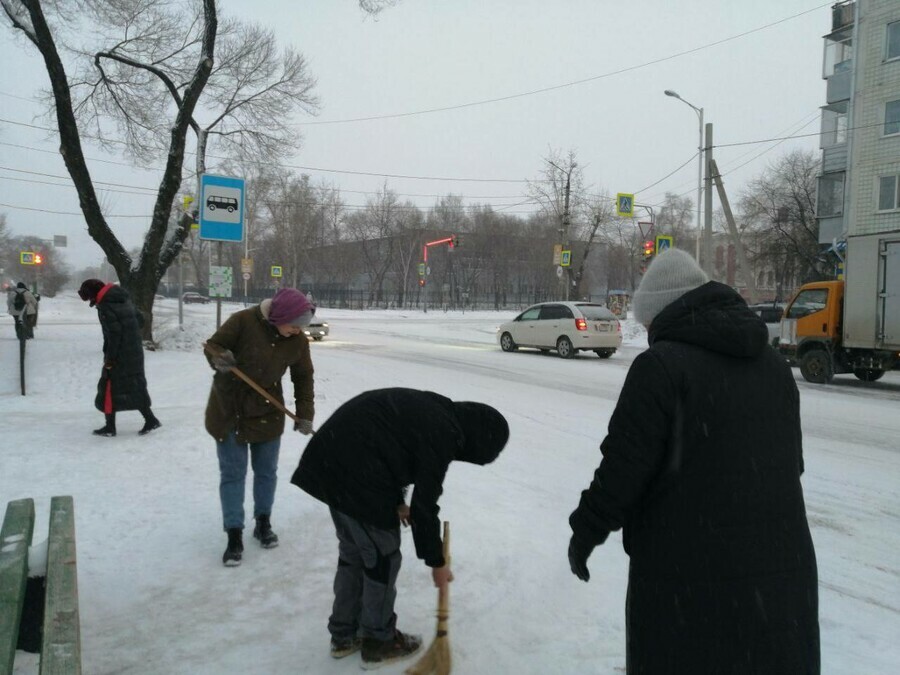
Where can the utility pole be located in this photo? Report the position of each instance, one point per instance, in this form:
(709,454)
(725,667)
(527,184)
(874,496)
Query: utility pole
(746,272)
(707,205)
(566,276)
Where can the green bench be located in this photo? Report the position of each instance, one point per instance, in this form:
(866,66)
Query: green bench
(60,643)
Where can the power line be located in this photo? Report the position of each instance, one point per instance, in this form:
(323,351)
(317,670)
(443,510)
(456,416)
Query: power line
(68,213)
(567,84)
(668,174)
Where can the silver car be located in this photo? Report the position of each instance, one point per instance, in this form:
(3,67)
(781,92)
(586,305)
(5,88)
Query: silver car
(567,327)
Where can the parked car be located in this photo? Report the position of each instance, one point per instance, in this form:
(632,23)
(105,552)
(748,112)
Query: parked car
(194,297)
(771,313)
(567,327)
(316,330)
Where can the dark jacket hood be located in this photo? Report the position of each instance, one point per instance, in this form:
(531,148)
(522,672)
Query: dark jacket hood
(485,432)
(714,317)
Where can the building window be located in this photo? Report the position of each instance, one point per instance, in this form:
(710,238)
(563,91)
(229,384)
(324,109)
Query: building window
(834,128)
(830,199)
(887,193)
(893,40)
(892,118)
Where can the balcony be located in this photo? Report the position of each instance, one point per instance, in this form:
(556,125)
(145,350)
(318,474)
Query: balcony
(838,87)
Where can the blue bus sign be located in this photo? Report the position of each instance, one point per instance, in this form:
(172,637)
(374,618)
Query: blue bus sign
(221,208)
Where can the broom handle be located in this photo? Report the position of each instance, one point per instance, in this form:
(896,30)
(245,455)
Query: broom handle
(443,613)
(259,390)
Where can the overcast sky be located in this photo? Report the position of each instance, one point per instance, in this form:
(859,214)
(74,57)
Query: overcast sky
(427,54)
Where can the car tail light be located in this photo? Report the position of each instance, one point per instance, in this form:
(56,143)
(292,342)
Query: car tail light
(580,324)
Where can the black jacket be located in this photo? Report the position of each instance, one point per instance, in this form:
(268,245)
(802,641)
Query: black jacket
(123,350)
(363,457)
(701,468)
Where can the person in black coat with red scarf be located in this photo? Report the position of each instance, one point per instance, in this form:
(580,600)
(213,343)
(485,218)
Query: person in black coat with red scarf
(360,462)
(701,469)
(122,384)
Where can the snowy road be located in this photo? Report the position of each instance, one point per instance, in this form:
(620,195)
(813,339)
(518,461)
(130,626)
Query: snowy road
(155,598)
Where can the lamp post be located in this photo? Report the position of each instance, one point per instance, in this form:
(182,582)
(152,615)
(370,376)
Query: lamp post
(699,111)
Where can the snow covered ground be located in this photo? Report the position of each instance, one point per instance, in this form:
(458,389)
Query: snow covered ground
(155,597)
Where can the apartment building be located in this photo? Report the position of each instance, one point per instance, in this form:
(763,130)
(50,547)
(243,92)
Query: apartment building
(859,187)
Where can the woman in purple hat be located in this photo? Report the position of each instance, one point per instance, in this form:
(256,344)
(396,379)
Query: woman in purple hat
(264,342)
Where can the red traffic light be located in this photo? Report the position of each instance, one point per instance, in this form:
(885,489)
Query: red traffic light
(649,248)
(421,282)
(38,259)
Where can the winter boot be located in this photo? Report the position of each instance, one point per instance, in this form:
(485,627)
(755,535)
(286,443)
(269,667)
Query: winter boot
(377,653)
(232,556)
(108,429)
(150,423)
(341,647)
(263,532)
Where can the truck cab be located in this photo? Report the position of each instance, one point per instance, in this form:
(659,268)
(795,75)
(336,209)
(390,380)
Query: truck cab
(811,329)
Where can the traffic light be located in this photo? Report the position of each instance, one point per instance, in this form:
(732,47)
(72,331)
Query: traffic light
(649,248)
(421,282)
(38,259)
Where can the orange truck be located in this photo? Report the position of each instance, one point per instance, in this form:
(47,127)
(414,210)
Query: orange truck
(849,326)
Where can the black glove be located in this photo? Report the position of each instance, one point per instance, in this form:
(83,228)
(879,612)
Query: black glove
(579,552)
(224,362)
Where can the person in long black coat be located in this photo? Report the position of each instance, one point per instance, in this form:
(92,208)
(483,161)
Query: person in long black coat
(701,469)
(359,463)
(122,384)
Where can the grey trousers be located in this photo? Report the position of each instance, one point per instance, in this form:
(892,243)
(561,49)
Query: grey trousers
(365,584)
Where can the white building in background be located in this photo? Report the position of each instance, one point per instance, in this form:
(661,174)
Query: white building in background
(859,187)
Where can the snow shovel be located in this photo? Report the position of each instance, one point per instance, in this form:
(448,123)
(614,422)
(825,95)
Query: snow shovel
(437,661)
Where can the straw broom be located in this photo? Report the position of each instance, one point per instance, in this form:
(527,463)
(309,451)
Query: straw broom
(437,661)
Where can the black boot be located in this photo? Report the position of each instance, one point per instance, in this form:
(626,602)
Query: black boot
(108,429)
(232,555)
(150,423)
(263,532)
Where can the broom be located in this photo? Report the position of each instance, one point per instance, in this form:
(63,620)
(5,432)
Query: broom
(437,661)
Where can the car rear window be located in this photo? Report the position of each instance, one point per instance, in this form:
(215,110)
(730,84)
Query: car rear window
(596,312)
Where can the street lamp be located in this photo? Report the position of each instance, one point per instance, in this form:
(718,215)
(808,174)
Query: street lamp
(699,111)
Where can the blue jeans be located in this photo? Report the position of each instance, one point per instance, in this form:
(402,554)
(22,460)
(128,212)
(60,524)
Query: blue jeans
(233,476)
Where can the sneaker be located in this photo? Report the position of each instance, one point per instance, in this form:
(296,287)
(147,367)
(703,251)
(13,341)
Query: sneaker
(263,532)
(377,653)
(233,554)
(341,647)
(150,426)
(105,431)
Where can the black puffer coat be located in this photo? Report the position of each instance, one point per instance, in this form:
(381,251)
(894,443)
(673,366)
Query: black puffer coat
(701,468)
(123,352)
(372,447)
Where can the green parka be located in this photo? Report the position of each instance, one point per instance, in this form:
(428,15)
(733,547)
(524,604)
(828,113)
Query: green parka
(263,355)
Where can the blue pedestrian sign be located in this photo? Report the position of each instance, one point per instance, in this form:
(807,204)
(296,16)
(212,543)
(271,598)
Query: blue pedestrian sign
(221,208)
(663,243)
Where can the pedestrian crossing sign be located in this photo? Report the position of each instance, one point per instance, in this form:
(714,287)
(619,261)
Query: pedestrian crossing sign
(625,205)
(663,243)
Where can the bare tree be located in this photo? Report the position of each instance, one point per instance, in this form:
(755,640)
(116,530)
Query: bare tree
(779,206)
(373,229)
(153,76)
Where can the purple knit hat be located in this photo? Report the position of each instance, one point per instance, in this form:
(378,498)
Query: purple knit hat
(290,308)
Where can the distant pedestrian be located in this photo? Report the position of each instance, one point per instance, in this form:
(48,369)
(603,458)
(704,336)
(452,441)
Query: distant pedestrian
(264,341)
(122,385)
(22,305)
(701,469)
(360,463)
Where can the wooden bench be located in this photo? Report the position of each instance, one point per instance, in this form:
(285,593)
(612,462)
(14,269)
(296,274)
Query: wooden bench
(60,644)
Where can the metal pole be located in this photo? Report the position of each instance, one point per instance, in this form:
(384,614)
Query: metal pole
(699,183)
(707,206)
